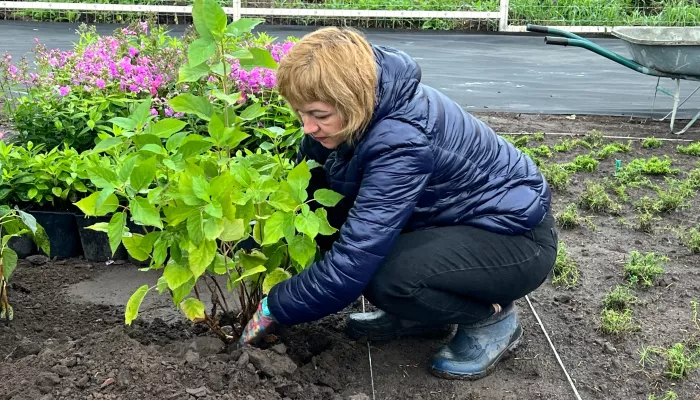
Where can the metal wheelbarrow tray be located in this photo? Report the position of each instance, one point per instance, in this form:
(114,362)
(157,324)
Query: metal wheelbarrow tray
(664,52)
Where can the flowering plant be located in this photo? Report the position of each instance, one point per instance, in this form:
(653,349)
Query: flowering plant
(72,94)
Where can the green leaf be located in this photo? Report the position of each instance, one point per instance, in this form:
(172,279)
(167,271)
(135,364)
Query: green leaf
(89,205)
(195,228)
(142,112)
(233,230)
(124,123)
(28,220)
(146,138)
(214,17)
(274,277)
(137,246)
(193,148)
(214,209)
(154,149)
(243,25)
(298,180)
(232,99)
(9,262)
(239,54)
(145,213)
(191,104)
(307,224)
(175,141)
(188,73)
(327,197)
(102,177)
(217,129)
(115,230)
(41,239)
(176,274)
(261,58)
(143,174)
(108,144)
(253,111)
(193,309)
(324,228)
(31,193)
(160,251)
(174,215)
(183,291)
(302,249)
(134,303)
(200,51)
(279,225)
(99,227)
(201,256)
(56,191)
(199,17)
(282,200)
(167,127)
(128,165)
(253,271)
(213,227)
(252,259)
(162,284)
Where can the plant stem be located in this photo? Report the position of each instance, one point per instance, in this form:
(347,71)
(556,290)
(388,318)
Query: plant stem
(221,292)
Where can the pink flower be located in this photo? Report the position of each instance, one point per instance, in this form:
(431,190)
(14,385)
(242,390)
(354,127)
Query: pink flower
(133,52)
(154,111)
(63,91)
(100,83)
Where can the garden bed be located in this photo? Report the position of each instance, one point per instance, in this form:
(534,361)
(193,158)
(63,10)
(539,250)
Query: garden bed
(59,347)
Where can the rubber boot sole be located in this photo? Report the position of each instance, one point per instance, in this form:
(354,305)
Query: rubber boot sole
(509,351)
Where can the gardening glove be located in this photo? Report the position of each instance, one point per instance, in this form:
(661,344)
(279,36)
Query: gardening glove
(259,325)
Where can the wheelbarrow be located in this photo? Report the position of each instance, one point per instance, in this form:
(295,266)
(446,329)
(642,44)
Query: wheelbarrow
(663,52)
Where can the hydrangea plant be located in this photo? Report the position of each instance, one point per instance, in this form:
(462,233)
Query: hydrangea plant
(197,205)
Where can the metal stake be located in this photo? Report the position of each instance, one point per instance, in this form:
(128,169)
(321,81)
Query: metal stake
(369,356)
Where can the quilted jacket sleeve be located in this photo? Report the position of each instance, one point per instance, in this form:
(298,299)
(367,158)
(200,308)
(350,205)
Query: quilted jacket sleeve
(396,168)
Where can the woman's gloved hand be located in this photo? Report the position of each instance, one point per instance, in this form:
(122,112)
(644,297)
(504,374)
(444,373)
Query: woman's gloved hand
(259,325)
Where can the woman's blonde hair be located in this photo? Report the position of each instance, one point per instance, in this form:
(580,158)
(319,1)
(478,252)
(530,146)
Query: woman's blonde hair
(335,66)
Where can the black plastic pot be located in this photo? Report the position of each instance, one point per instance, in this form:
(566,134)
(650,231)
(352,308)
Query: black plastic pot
(95,244)
(24,246)
(62,230)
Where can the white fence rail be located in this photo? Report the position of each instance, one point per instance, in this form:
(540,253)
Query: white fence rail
(236,10)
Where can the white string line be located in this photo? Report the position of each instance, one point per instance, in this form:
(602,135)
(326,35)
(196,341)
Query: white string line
(369,355)
(553,349)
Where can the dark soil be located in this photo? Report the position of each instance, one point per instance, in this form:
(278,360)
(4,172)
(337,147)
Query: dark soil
(59,348)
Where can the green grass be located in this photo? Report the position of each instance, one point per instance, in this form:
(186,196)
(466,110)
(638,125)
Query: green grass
(561,12)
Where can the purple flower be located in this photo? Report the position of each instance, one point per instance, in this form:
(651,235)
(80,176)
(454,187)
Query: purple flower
(100,83)
(63,91)
(154,111)
(133,52)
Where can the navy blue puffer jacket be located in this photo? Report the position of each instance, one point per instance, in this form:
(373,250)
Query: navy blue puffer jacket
(423,162)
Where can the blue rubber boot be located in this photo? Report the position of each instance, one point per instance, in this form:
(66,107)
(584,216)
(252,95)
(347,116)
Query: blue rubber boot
(380,326)
(477,348)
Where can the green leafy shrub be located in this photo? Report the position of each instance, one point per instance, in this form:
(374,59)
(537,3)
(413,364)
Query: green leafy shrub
(33,178)
(204,205)
(72,94)
(15,223)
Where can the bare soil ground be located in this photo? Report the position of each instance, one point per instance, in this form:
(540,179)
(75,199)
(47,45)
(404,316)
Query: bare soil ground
(61,348)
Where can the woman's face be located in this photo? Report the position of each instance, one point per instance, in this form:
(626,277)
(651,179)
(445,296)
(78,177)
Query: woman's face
(322,122)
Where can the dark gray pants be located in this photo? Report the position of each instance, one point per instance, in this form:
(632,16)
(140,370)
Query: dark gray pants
(454,274)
